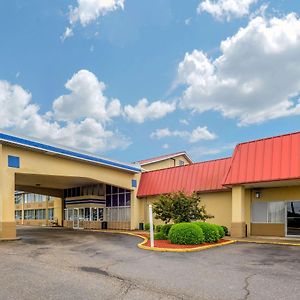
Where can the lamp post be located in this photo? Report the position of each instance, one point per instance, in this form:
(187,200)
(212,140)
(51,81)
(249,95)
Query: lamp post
(151,226)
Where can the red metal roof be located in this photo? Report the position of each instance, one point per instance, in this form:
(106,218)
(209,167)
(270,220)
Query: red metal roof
(204,176)
(163,157)
(269,159)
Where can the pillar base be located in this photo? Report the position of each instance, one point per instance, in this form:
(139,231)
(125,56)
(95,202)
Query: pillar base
(238,229)
(8,230)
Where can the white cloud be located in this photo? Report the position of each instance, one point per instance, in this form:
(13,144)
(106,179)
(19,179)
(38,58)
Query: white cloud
(20,115)
(201,133)
(88,11)
(15,104)
(68,33)
(165,146)
(166,132)
(184,121)
(256,78)
(201,151)
(196,135)
(145,110)
(226,9)
(85,100)
(187,21)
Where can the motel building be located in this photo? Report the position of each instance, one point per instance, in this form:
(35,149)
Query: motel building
(256,192)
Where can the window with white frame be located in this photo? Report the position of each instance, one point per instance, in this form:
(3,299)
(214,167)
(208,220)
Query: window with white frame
(117,204)
(268,212)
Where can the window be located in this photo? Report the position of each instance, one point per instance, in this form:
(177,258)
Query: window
(13,161)
(18,214)
(181,163)
(29,214)
(18,198)
(117,197)
(118,204)
(51,214)
(29,198)
(40,214)
(268,212)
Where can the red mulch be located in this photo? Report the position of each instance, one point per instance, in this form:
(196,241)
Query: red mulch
(167,244)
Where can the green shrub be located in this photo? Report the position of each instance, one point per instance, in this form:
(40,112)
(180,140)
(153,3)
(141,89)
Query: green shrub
(210,231)
(186,234)
(225,230)
(221,231)
(158,228)
(160,236)
(147,227)
(166,228)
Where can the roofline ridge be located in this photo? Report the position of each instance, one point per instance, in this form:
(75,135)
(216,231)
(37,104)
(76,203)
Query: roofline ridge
(195,163)
(268,138)
(162,157)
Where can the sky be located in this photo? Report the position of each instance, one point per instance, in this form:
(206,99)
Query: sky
(133,79)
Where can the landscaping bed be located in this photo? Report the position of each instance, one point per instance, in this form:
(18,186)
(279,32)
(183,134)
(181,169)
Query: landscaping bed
(166,244)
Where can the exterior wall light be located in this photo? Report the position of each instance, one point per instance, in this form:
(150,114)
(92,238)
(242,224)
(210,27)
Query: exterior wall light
(257,194)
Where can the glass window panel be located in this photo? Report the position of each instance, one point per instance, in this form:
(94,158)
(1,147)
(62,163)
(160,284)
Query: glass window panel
(108,189)
(84,191)
(115,190)
(100,214)
(121,190)
(121,199)
(90,190)
(87,213)
(51,214)
(259,212)
(18,214)
(128,195)
(70,214)
(114,200)
(29,214)
(108,201)
(94,214)
(276,212)
(40,214)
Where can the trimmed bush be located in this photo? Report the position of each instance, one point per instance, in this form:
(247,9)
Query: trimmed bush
(147,227)
(160,236)
(221,231)
(166,228)
(186,234)
(210,231)
(225,230)
(158,228)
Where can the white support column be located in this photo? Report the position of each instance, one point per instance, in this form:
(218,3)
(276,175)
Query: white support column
(151,226)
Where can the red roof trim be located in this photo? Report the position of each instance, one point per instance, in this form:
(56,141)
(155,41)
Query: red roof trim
(204,176)
(269,159)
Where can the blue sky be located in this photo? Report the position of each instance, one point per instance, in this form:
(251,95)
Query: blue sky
(213,75)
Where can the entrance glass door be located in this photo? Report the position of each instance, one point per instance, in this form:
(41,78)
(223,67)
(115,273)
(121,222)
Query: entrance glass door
(80,218)
(293,218)
(75,218)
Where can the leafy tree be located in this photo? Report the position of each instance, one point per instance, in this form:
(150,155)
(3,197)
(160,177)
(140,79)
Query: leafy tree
(180,207)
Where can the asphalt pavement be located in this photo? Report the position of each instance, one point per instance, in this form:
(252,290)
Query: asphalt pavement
(58,263)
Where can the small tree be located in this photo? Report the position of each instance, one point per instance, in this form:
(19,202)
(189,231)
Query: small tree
(180,207)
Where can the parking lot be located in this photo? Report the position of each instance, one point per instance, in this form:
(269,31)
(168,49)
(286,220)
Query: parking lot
(57,263)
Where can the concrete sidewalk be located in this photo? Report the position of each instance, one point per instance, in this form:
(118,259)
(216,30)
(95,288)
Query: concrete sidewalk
(288,241)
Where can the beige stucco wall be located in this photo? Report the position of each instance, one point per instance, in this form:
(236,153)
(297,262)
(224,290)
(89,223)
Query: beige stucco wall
(217,204)
(277,194)
(290,193)
(167,163)
(41,164)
